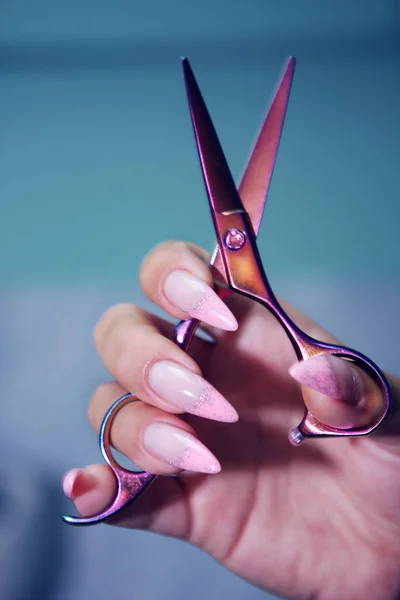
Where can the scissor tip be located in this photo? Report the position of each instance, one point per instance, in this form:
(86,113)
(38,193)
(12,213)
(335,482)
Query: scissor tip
(187,69)
(290,62)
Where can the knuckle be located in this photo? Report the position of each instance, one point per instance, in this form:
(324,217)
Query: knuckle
(93,406)
(102,398)
(91,409)
(199,252)
(168,250)
(108,319)
(174,252)
(130,350)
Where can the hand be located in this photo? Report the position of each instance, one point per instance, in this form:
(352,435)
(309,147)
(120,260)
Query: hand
(319,521)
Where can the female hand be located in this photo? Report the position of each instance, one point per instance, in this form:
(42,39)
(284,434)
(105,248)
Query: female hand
(319,521)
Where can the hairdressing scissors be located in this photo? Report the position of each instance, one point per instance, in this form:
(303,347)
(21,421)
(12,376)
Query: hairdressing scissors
(237,267)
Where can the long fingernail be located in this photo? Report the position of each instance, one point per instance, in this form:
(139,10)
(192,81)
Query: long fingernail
(179,448)
(184,389)
(198,300)
(78,482)
(331,376)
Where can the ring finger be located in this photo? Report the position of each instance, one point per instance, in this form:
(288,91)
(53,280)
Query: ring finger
(152,439)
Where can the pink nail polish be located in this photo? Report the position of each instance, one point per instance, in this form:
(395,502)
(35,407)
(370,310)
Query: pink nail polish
(179,448)
(69,482)
(198,300)
(185,390)
(78,482)
(331,376)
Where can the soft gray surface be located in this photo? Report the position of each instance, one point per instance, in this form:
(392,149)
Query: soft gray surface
(48,370)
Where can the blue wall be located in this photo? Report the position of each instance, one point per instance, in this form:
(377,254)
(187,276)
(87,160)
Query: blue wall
(97,156)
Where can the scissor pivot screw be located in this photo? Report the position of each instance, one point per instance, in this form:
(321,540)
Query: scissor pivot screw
(235,239)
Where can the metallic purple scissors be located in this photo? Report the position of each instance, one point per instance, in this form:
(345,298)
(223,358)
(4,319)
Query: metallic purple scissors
(237,267)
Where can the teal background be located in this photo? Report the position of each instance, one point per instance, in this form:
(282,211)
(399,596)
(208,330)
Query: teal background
(98,161)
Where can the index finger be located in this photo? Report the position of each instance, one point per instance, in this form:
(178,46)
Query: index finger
(177,277)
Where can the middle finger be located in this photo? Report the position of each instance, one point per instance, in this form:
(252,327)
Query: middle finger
(154,368)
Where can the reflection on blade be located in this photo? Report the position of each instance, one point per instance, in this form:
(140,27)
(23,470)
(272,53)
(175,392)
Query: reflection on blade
(221,188)
(254,186)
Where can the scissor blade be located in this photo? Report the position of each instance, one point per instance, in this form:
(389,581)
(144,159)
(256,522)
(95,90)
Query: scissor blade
(255,182)
(221,189)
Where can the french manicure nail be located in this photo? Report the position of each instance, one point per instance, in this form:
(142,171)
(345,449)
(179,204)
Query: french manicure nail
(331,376)
(78,482)
(179,448)
(198,300)
(69,481)
(185,390)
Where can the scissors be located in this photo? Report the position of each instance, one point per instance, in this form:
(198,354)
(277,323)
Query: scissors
(237,267)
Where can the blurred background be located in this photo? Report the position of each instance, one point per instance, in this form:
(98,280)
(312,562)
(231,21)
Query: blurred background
(98,163)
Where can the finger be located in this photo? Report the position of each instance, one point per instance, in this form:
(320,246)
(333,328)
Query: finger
(152,439)
(92,489)
(337,392)
(177,277)
(177,259)
(163,508)
(154,368)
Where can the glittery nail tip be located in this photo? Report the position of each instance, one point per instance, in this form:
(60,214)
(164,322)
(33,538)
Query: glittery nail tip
(331,376)
(199,462)
(317,373)
(213,311)
(186,390)
(212,405)
(198,300)
(179,448)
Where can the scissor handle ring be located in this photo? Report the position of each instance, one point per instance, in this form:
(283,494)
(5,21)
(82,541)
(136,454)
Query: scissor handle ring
(130,484)
(310,426)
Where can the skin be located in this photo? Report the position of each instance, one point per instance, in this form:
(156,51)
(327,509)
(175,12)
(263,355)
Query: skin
(320,521)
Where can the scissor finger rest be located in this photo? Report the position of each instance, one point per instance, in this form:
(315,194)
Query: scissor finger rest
(130,484)
(312,427)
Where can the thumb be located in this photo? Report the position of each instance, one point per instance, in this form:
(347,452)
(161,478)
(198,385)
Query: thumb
(337,392)
(163,509)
